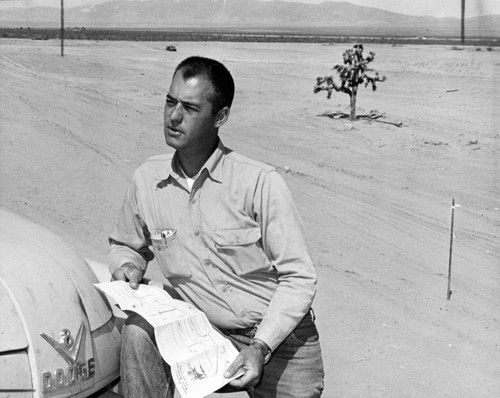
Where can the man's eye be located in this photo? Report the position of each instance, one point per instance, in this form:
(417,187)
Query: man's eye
(171,101)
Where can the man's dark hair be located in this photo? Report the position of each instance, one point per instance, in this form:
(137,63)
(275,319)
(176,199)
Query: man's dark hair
(214,72)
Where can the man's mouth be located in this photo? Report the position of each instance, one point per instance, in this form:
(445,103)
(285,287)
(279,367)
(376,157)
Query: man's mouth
(173,130)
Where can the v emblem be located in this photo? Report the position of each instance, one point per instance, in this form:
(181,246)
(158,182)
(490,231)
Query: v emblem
(67,347)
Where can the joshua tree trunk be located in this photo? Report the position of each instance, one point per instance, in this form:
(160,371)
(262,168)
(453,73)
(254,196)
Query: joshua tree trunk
(354,92)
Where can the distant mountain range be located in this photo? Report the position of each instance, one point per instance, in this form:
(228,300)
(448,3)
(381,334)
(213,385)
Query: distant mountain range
(332,17)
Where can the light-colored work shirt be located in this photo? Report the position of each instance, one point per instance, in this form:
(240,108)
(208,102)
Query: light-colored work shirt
(233,245)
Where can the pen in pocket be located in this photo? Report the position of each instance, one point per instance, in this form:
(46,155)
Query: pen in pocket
(163,238)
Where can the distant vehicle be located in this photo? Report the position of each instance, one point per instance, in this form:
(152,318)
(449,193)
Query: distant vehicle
(58,334)
(171,48)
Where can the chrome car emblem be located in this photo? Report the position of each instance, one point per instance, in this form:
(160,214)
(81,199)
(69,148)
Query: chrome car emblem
(67,347)
(78,369)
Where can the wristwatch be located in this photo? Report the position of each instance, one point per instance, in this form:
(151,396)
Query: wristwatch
(263,347)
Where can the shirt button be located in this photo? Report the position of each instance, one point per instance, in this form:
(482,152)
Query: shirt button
(207,262)
(224,289)
(197,232)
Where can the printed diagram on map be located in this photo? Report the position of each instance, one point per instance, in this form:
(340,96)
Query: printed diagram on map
(198,355)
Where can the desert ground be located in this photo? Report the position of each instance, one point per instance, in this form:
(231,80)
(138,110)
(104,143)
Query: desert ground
(375,198)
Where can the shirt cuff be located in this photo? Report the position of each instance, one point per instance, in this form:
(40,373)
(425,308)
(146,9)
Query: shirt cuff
(119,255)
(271,333)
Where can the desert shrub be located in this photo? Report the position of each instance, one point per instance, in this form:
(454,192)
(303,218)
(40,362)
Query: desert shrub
(353,72)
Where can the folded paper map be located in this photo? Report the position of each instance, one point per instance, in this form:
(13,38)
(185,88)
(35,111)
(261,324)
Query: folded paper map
(198,354)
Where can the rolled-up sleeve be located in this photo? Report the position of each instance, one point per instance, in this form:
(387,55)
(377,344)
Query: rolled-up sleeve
(285,243)
(129,238)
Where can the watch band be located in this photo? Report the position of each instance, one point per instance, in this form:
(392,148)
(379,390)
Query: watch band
(263,347)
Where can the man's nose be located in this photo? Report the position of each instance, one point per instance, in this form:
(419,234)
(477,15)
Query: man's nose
(177,113)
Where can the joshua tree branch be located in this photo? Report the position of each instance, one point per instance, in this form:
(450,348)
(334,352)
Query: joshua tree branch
(327,83)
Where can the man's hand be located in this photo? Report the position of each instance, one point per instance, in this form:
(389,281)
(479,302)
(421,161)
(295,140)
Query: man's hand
(128,272)
(251,361)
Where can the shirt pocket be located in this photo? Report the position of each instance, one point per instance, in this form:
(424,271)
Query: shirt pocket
(241,249)
(168,253)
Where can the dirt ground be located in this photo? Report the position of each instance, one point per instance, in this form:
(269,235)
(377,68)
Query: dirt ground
(375,198)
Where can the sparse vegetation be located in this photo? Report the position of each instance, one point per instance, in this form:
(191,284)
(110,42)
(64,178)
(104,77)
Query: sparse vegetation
(353,72)
(226,35)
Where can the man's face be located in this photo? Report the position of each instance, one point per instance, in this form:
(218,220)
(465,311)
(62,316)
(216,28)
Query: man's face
(190,126)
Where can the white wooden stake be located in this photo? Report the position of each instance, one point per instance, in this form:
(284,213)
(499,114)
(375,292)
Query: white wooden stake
(448,292)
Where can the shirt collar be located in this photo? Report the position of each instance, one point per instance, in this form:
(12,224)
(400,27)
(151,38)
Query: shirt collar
(213,165)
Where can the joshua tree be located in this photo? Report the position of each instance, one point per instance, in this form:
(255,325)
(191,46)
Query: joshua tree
(352,73)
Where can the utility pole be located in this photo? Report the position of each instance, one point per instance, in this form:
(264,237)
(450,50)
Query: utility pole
(62,28)
(463,22)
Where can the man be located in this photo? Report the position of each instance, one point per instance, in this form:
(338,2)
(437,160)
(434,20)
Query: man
(226,234)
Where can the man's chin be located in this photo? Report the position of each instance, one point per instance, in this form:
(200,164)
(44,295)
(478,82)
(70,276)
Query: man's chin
(173,142)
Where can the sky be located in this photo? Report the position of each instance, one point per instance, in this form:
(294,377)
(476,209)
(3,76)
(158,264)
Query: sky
(435,8)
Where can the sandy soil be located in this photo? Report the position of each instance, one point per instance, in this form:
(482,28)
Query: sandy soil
(375,198)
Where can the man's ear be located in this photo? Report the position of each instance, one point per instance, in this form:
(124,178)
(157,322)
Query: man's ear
(222,116)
